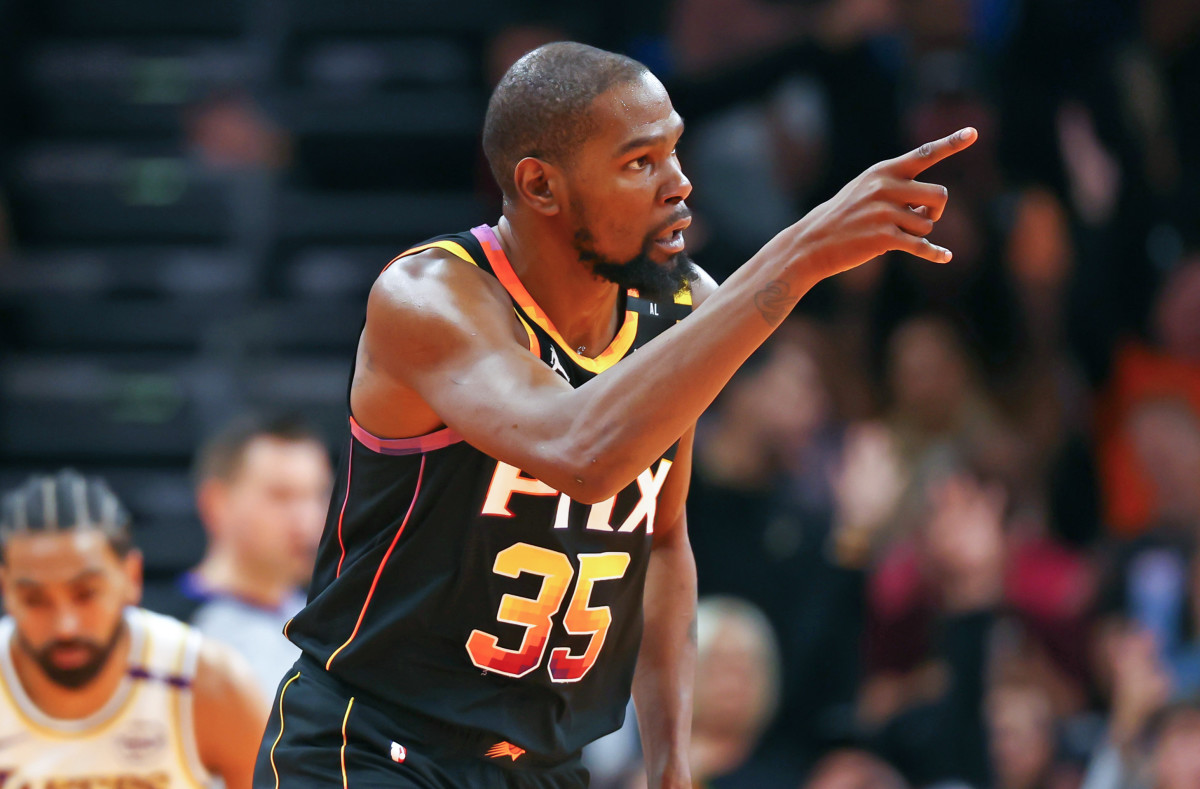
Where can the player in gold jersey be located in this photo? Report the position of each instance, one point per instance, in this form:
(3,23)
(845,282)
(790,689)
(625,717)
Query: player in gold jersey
(95,692)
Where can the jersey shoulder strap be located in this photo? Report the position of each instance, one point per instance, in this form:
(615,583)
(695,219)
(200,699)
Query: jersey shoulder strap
(463,246)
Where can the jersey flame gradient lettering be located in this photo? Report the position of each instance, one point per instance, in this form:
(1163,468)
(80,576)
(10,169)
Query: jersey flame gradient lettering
(508,480)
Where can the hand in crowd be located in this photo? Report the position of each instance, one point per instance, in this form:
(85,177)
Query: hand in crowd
(866,489)
(1141,684)
(965,543)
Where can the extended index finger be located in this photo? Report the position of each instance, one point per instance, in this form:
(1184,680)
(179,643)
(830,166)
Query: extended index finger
(917,161)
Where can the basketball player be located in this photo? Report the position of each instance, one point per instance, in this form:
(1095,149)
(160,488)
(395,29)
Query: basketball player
(95,692)
(509,515)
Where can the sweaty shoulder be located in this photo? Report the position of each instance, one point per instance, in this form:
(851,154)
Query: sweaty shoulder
(432,283)
(430,316)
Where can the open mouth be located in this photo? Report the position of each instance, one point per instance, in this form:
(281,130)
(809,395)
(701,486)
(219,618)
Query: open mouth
(672,240)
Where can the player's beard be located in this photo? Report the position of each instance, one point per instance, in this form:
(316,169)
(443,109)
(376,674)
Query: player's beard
(73,678)
(654,281)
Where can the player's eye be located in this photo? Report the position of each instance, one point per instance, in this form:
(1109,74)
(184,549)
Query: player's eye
(34,601)
(640,163)
(85,595)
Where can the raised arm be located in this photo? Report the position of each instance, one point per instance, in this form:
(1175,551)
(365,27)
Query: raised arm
(441,342)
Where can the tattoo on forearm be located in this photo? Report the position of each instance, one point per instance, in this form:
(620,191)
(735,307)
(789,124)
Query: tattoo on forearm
(773,301)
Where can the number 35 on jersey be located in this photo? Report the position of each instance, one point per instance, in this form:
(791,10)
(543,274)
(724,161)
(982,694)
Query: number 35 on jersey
(536,615)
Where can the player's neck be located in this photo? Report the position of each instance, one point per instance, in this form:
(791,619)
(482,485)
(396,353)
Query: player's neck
(72,703)
(224,572)
(583,307)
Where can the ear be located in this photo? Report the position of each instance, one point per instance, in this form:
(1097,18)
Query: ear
(211,498)
(539,185)
(133,565)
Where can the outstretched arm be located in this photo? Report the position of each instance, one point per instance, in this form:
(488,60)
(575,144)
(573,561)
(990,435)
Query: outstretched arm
(436,327)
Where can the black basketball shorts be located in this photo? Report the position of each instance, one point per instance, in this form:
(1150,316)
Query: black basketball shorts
(320,734)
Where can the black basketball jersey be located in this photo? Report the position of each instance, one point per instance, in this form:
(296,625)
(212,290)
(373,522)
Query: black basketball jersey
(460,587)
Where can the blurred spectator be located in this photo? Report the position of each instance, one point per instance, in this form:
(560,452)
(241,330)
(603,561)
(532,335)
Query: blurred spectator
(1140,688)
(939,411)
(736,694)
(932,605)
(785,103)
(972,552)
(230,131)
(1175,761)
(1170,369)
(1023,738)
(1153,580)
(1044,389)
(854,769)
(262,490)
(707,34)
(762,515)
(1040,256)
(936,398)
(737,686)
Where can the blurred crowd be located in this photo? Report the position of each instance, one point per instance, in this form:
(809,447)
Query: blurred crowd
(947,520)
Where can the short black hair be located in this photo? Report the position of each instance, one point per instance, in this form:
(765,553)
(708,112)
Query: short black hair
(66,501)
(540,107)
(220,457)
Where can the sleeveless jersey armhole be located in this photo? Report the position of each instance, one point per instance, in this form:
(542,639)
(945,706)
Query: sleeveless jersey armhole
(438,438)
(453,247)
(185,721)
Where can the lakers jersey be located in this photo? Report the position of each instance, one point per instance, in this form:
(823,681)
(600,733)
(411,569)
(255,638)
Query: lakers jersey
(458,586)
(141,738)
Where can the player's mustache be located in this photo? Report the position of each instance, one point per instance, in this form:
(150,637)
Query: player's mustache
(682,213)
(70,643)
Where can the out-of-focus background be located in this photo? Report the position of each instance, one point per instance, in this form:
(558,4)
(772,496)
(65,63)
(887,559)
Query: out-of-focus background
(946,520)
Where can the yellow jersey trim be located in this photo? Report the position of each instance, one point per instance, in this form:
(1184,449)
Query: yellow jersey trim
(177,711)
(345,720)
(279,736)
(502,268)
(453,247)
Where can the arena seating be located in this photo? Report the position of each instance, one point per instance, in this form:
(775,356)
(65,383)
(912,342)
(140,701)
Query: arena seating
(157,292)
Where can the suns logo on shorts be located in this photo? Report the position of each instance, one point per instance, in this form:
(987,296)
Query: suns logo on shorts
(502,749)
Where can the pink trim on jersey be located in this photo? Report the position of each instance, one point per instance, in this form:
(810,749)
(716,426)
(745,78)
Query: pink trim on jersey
(404,446)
